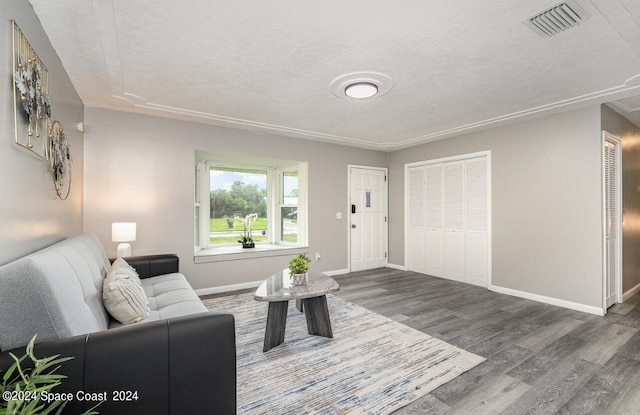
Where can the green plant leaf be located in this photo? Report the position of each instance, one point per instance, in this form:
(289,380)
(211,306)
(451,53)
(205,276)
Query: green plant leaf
(53,406)
(9,373)
(92,411)
(37,380)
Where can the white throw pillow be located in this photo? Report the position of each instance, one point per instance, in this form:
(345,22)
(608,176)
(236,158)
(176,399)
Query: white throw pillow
(124,299)
(123,270)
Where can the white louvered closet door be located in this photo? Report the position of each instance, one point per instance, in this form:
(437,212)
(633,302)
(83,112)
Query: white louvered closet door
(612,219)
(434,233)
(454,237)
(477,222)
(416,220)
(448,227)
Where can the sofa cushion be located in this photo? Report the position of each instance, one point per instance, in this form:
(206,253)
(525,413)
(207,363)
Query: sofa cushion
(54,293)
(170,295)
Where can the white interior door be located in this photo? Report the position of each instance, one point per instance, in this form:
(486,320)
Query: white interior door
(368,223)
(434,240)
(448,218)
(612,220)
(416,220)
(477,221)
(454,235)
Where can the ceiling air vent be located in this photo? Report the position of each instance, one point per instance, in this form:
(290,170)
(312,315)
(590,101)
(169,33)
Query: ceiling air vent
(557,19)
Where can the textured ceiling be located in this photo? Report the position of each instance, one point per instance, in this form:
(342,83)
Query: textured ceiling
(268,66)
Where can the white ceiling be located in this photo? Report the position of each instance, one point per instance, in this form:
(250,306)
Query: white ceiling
(267,66)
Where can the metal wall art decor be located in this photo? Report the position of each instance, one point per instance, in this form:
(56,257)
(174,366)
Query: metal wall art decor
(32,104)
(32,109)
(60,159)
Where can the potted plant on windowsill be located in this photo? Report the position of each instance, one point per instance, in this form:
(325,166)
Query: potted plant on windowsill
(298,268)
(247,239)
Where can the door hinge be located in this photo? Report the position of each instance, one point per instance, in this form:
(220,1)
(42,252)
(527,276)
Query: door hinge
(385,219)
(385,254)
(385,177)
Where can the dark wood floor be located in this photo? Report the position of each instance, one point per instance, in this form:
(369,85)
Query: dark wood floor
(541,359)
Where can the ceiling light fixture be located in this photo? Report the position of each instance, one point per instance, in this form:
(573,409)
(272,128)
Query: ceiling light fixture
(361,90)
(361,85)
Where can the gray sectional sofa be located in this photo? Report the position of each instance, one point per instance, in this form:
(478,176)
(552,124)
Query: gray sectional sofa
(179,359)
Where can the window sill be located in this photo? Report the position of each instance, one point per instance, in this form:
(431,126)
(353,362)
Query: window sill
(234,253)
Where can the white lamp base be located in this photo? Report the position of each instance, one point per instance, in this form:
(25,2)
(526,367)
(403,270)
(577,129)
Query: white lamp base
(124,250)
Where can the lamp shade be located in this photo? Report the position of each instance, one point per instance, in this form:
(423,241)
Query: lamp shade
(123,231)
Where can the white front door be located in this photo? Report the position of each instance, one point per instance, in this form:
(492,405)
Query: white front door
(368,218)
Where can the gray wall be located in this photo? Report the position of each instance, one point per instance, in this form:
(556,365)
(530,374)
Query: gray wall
(546,195)
(140,168)
(32,215)
(546,201)
(629,134)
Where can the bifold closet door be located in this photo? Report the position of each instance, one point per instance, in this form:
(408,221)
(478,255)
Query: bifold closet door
(434,222)
(448,223)
(415,248)
(612,221)
(454,235)
(476,222)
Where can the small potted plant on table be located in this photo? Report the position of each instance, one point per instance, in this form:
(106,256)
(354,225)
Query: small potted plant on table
(298,268)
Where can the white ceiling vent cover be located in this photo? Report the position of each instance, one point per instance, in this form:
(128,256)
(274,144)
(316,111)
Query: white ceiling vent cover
(557,19)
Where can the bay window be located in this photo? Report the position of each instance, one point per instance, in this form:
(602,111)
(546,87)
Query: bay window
(273,192)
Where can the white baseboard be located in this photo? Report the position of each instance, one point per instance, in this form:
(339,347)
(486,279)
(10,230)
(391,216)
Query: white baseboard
(346,270)
(549,300)
(251,284)
(395,266)
(227,288)
(630,293)
(336,272)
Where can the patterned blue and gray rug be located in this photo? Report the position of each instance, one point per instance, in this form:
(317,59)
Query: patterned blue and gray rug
(373,365)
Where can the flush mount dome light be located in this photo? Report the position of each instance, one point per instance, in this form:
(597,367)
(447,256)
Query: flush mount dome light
(361,90)
(361,85)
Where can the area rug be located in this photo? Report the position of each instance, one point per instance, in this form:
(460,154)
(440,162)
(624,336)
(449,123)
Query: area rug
(372,365)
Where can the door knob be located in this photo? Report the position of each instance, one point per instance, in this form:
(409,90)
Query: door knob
(353,226)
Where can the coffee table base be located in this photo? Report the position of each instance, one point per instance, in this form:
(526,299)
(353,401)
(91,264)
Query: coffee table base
(276,323)
(316,311)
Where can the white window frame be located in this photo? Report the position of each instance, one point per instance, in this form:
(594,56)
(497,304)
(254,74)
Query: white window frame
(302,207)
(203,248)
(203,204)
